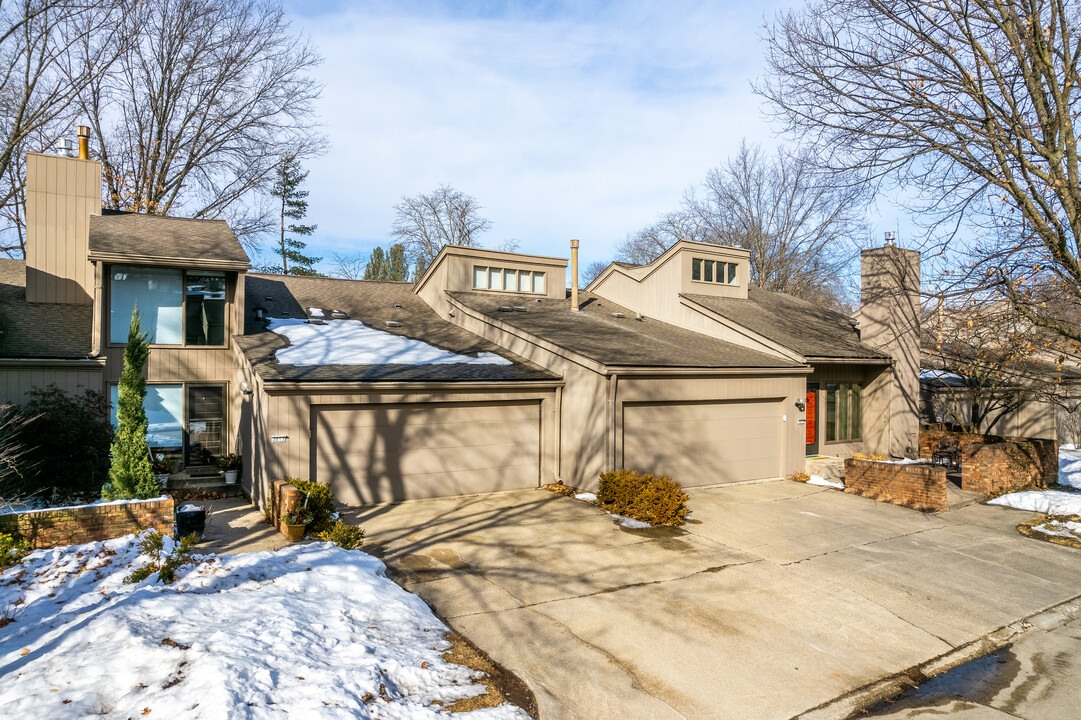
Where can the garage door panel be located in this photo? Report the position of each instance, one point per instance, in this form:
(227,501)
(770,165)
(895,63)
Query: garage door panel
(381,453)
(702,443)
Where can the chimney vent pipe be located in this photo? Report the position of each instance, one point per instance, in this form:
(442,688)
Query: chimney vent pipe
(574,276)
(890,238)
(84,142)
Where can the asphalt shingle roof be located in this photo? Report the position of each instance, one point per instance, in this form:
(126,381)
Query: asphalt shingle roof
(810,330)
(166,239)
(373,303)
(596,333)
(39,330)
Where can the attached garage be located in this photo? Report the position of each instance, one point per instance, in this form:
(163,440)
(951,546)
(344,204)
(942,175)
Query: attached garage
(389,452)
(703,443)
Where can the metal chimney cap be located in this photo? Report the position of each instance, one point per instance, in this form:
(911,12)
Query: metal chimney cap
(83,131)
(890,236)
(574,243)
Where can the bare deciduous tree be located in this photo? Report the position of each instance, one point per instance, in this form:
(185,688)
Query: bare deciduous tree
(970,105)
(984,361)
(592,271)
(349,266)
(426,222)
(206,98)
(801,227)
(43,63)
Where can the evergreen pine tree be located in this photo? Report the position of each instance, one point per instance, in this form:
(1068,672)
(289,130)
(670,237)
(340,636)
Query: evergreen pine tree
(130,474)
(422,266)
(397,266)
(294,206)
(376,267)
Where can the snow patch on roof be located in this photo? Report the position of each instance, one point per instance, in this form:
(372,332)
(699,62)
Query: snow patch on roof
(351,342)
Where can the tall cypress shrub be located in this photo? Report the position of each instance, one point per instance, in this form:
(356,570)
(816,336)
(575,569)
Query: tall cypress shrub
(130,474)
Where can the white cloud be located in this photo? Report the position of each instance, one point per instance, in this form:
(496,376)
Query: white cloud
(577,123)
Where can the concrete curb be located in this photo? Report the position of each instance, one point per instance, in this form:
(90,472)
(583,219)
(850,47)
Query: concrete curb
(846,705)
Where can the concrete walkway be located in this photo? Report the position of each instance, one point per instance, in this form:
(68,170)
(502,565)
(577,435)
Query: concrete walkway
(234,525)
(774,599)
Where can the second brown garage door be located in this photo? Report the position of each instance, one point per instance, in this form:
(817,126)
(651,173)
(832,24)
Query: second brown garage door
(702,443)
(380,453)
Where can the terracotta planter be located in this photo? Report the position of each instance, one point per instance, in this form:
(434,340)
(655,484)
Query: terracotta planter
(294,533)
(231,476)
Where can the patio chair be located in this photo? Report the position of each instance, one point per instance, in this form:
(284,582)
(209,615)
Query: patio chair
(948,454)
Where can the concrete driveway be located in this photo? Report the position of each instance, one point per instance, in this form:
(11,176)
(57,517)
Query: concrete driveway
(774,599)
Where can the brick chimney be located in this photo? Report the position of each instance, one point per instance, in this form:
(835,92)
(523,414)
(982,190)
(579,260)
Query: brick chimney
(61,195)
(889,322)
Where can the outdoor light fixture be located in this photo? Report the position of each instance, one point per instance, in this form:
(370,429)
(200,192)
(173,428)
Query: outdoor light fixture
(801,405)
(245,388)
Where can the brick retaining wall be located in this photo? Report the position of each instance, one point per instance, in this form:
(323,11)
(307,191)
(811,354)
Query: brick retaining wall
(917,485)
(993,463)
(88,523)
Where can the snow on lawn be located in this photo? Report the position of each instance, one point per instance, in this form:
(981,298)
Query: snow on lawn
(351,342)
(1049,502)
(305,632)
(587,497)
(1069,470)
(1055,528)
(819,480)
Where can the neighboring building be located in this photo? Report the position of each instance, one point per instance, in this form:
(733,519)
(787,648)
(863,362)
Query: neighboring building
(483,376)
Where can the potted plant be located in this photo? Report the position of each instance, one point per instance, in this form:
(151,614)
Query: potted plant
(230,464)
(162,466)
(294,522)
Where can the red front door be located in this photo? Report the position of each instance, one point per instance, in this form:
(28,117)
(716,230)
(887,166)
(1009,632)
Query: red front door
(812,434)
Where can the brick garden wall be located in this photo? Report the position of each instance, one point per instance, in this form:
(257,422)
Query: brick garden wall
(920,486)
(992,463)
(89,523)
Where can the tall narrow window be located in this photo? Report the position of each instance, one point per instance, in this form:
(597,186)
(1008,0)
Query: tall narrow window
(731,273)
(538,282)
(480,277)
(495,279)
(510,280)
(708,270)
(696,269)
(204,309)
(844,412)
(524,281)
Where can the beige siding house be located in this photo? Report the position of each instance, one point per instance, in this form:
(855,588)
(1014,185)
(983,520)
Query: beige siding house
(482,376)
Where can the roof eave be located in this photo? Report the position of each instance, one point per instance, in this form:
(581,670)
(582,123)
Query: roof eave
(126,259)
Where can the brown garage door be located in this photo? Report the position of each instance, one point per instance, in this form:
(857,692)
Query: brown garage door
(378,453)
(701,443)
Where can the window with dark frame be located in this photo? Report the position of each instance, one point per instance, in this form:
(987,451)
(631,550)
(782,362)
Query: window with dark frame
(713,271)
(844,412)
(175,307)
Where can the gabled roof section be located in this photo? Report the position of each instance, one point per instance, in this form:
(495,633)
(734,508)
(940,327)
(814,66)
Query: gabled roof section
(39,330)
(597,334)
(372,303)
(141,239)
(814,332)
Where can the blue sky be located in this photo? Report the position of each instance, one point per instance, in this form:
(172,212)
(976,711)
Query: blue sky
(564,120)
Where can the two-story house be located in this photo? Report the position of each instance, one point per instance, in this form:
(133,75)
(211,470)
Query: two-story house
(486,374)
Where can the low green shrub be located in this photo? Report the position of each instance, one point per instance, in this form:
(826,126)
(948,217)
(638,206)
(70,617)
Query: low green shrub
(12,550)
(320,504)
(653,499)
(162,563)
(348,537)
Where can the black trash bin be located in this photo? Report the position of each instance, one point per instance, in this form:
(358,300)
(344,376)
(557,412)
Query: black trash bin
(190,519)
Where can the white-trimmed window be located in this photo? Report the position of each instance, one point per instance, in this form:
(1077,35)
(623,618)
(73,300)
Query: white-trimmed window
(714,271)
(506,279)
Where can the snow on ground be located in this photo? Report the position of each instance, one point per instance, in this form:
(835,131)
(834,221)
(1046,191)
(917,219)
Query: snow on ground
(819,480)
(587,496)
(1069,470)
(304,632)
(351,342)
(1049,502)
(1068,529)
(629,522)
